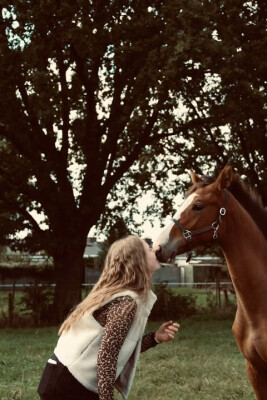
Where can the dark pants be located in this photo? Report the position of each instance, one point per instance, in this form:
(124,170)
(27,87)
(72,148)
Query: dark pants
(57,383)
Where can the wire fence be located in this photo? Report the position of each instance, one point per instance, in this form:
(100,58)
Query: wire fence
(38,297)
(86,285)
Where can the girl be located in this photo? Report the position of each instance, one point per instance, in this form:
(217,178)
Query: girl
(102,338)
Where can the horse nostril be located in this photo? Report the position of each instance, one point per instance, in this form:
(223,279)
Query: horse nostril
(158,252)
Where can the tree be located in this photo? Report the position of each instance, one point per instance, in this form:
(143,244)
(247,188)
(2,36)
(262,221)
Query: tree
(98,99)
(232,101)
(77,82)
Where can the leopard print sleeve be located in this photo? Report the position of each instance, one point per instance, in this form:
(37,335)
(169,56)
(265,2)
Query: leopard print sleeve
(117,317)
(148,341)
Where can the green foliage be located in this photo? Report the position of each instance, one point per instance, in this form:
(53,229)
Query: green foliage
(121,91)
(172,306)
(101,102)
(211,300)
(37,302)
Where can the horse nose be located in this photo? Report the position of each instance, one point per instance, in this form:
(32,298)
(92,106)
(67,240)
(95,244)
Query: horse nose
(158,253)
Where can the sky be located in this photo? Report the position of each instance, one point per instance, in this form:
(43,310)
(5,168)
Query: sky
(149,231)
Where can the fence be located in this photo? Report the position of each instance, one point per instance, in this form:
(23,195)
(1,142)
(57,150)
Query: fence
(8,304)
(8,286)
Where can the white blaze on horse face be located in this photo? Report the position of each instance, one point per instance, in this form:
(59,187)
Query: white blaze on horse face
(184,205)
(165,234)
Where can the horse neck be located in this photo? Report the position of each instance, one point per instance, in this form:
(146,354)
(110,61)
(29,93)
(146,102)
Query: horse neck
(245,249)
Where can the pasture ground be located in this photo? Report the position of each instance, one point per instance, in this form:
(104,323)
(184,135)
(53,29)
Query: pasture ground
(202,363)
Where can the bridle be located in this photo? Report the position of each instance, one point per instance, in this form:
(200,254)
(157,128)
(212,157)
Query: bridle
(187,234)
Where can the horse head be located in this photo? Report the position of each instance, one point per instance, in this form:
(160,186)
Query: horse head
(198,220)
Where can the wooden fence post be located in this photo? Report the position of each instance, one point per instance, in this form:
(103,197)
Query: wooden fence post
(11,297)
(218,293)
(226,298)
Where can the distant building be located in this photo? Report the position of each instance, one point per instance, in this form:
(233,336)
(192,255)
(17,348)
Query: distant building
(168,273)
(198,270)
(25,268)
(201,269)
(92,247)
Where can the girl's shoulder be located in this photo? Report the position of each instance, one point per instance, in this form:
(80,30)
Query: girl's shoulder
(120,306)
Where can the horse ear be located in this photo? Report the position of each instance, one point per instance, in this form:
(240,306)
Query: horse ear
(225,178)
(194,177)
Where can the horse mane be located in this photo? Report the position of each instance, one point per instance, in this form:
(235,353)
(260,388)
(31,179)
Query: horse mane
(251,201)
(245,195)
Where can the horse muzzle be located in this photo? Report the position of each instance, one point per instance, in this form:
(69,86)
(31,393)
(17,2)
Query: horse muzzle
(164,255)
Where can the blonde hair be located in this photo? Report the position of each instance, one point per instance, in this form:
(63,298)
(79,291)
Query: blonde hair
(125,268)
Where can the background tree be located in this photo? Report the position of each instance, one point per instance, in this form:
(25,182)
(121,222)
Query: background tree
(235,96)
(104,101)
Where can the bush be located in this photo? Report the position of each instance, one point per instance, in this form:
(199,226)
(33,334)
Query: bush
(211,300)
(37,302)
(170,306)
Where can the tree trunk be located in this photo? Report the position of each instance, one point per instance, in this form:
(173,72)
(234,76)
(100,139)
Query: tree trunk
(263,193)
(69,276)
(68,251)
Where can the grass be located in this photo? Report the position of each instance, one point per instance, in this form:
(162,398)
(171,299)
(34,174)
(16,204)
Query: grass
(202,363)
(23,354)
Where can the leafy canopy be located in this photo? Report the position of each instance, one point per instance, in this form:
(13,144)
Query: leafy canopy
(101,102)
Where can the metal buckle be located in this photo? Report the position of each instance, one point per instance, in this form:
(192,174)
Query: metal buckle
(187,235)
(215,235)
(222,211)
(215,224)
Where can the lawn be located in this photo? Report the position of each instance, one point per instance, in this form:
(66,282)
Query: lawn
(203,363)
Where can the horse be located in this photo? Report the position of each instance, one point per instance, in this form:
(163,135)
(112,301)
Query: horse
(230,212)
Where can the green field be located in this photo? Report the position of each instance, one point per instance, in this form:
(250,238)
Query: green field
(203,363)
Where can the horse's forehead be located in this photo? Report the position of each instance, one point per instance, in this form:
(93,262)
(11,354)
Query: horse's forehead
(207,192)
(186,203)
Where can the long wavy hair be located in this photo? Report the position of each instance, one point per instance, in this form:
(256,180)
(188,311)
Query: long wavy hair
(126,268)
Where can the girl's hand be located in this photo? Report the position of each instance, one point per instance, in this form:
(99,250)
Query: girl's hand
(166,332)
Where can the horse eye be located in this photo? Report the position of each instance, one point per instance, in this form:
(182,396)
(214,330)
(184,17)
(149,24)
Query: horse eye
(198,207)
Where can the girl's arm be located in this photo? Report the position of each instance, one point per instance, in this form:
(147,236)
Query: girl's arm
(119,317)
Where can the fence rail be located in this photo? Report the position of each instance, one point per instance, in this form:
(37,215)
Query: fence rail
(11,296)
(25,285)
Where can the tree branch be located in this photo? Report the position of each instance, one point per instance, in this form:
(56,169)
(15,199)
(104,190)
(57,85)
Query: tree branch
(90,85)
(65,109)
(33,222)
(247,157)
(125,165)
(43,142)
(194,123)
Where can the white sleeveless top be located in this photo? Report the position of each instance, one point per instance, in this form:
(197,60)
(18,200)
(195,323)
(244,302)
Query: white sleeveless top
(77,348)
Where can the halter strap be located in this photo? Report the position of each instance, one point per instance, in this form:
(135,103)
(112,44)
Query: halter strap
(214,226)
